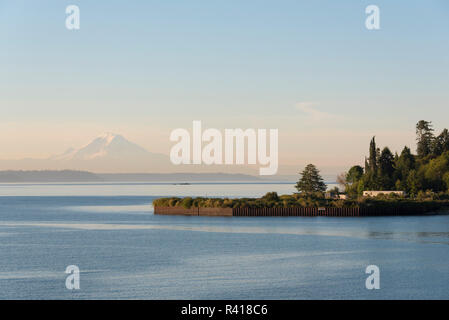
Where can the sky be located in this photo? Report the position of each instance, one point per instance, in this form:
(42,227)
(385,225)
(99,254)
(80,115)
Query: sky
(143,68)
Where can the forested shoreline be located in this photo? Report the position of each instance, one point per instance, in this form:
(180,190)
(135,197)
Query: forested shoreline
(421,175)
(424,178)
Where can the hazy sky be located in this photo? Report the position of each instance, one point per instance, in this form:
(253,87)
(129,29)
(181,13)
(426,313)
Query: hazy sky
(143,68)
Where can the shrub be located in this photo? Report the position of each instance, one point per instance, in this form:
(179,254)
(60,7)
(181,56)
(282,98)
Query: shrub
(271,196)
(187,202)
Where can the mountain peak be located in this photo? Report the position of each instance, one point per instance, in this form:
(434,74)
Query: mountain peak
(110,152)
(107,144)
(109,136)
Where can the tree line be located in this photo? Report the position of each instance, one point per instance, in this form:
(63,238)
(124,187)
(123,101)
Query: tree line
(427,170)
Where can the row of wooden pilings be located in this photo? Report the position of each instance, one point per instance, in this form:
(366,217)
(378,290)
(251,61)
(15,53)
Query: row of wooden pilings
(393,211)
(296,212)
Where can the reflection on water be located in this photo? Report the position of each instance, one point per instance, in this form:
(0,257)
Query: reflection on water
(431,237)
(424,237)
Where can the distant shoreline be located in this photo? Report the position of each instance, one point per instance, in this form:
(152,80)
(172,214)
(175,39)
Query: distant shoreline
(73,176)
(170,183)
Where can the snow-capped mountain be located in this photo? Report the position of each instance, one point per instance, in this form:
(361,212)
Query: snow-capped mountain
(113,153)
(106,145)
(106,153)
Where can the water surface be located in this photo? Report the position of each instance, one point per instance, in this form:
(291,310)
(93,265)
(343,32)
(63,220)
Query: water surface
(124,251)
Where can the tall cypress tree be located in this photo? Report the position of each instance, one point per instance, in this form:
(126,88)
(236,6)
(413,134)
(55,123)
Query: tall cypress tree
(372,160)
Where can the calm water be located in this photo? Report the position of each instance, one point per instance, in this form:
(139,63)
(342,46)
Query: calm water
(124,251)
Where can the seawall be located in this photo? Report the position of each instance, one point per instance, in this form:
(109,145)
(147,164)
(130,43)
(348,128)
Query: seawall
(291,212)
(219,212)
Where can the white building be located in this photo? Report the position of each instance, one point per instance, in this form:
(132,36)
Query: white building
(376,193)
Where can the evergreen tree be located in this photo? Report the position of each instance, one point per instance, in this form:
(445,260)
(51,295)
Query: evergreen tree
(403,165)
(444,140)
(386,169)
(372,160)
(354,174)
(310,181)
(377,160)
(424,137)
(405,162)
(441,143)
(386,162)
